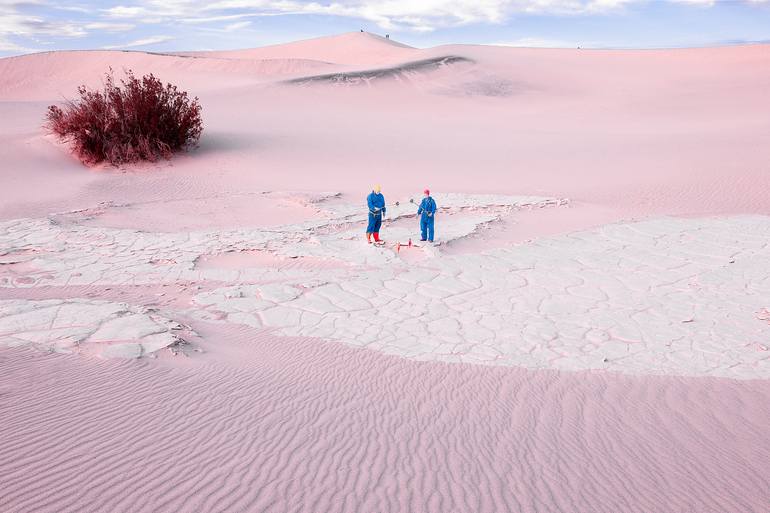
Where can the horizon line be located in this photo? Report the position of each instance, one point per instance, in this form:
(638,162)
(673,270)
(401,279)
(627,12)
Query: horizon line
(176,53)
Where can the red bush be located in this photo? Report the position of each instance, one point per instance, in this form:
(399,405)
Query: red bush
(140,119)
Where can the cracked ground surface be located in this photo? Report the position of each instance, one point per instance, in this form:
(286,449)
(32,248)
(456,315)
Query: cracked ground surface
(110,330)
(663,296)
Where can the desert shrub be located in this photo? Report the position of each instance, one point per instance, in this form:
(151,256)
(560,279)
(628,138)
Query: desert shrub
(137,119)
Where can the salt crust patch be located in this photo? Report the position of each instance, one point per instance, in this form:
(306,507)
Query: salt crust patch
(110,330)
(65,253)
(666,296)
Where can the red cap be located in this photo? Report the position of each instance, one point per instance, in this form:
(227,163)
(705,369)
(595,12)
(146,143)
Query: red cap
(427,191)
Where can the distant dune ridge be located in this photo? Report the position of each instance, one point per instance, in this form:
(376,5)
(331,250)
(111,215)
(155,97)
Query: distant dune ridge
(236,345)
(352,48)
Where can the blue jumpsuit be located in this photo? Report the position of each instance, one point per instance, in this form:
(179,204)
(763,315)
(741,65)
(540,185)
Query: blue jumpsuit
(376,203)
(427,212)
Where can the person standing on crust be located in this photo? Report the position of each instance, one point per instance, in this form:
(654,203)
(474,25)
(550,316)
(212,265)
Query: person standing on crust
(376,203)
(427,212)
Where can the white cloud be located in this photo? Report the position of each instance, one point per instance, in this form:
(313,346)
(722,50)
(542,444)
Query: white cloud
(9,47)
(536,42)
(14,24)
(121,11)
(109,27)
(201,20)
(237,26)
(421,15)
(417,15)
(71,8)
(152,40)
(701,3)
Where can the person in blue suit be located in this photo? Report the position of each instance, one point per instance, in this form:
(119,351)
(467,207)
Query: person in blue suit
(427,213)
(376,203)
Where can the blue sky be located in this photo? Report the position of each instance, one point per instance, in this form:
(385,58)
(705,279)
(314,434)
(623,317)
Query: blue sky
(171,25)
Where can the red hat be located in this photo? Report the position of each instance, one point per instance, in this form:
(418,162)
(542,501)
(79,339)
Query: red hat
(427,191)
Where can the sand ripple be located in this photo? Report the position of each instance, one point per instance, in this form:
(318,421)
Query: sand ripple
(302,426)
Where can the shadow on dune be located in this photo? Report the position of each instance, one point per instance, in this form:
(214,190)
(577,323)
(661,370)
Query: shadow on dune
(479,84)
(354,77)
(485,86)
(225,142)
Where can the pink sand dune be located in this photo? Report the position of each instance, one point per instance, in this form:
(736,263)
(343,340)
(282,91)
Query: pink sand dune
(353,48)
(54,76)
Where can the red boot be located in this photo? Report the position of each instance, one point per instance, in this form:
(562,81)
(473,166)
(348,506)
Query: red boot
(369,238)
(377,237)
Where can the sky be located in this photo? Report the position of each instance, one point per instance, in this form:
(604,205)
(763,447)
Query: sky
(28,26)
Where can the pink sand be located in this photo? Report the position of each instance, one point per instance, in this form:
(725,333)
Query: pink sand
(267,423)
(294,425)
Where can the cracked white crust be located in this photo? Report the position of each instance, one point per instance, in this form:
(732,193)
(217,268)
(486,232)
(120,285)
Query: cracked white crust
(60,252)
(670,296)
(666,296)
(110,330)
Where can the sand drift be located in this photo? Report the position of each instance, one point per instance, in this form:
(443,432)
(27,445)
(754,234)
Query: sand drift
(666,296)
